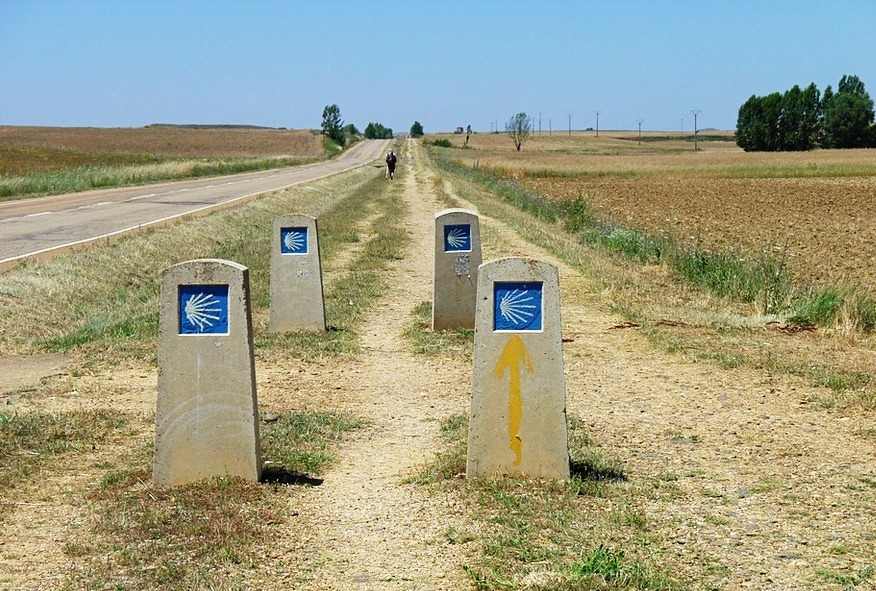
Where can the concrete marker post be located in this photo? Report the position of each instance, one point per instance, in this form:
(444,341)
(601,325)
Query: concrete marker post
(297,302)
(206,421)
(518,407)
(457,258)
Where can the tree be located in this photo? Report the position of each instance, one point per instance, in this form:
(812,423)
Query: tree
(848,115)
(416,129)
(376,131)
(780,122)
(350,130)
(759,124)
(332,124)
(467,135)
(812,114)
(749,125)
(519,127)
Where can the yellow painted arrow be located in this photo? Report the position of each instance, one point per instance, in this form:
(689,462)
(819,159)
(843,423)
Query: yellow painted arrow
(513,356)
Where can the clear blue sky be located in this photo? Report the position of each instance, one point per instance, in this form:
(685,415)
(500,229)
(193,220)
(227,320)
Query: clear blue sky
(127,63)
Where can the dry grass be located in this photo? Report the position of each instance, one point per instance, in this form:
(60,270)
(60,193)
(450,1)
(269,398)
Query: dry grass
(169,142)
(38,161)
(619,155)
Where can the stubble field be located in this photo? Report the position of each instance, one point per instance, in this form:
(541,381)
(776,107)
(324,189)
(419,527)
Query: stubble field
(24,150)
(171,141)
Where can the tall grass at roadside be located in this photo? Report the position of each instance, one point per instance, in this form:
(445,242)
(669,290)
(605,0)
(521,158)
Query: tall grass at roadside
(84,178)
(109,301)
(507,189)
(549,535)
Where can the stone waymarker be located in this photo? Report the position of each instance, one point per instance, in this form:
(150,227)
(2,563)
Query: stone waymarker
(296,276)
(518,405)
(457,257)
(206,422)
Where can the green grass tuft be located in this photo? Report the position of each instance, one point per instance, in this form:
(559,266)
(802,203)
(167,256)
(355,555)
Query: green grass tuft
(300,443)
(29,441)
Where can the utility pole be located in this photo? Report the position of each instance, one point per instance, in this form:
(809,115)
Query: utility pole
(550,127)
(597,123)
(539,123)
(640,121)
(570,125)
(695,112)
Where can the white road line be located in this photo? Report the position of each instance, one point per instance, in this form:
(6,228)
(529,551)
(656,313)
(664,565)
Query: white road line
(14,259)
(35,215)
(142,197)
(104,203)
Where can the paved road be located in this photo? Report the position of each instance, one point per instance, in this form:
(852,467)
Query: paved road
(39,228)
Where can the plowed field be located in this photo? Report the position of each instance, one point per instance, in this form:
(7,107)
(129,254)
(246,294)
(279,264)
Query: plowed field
(168,141)
(824,227)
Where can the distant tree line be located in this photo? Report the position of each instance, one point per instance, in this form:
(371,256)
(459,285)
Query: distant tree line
(804,119)
(376,131)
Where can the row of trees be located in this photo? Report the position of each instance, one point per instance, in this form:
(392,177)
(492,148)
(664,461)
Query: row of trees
(804,119)
(376,131)
(333,128)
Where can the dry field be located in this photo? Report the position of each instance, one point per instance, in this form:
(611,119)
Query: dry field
(816,210)
(157,141)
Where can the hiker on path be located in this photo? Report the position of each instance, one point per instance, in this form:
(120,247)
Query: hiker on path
(390,164)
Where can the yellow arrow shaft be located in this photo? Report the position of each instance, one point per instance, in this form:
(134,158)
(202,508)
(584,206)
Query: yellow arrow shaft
(515,411)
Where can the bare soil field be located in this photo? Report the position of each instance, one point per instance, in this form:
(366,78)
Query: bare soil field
(823,227)
(168,141)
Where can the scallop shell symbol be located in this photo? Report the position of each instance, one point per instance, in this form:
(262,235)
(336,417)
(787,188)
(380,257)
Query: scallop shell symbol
(515,307)
(456,238)
(200,312)
(294,240)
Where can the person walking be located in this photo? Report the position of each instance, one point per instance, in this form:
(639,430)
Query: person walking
(390,164)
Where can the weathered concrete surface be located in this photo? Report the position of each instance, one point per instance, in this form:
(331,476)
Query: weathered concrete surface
(457,258)
(297,302)
(206,421)
(518,405)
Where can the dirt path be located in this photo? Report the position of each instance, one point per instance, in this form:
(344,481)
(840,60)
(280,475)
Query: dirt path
(367,528)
